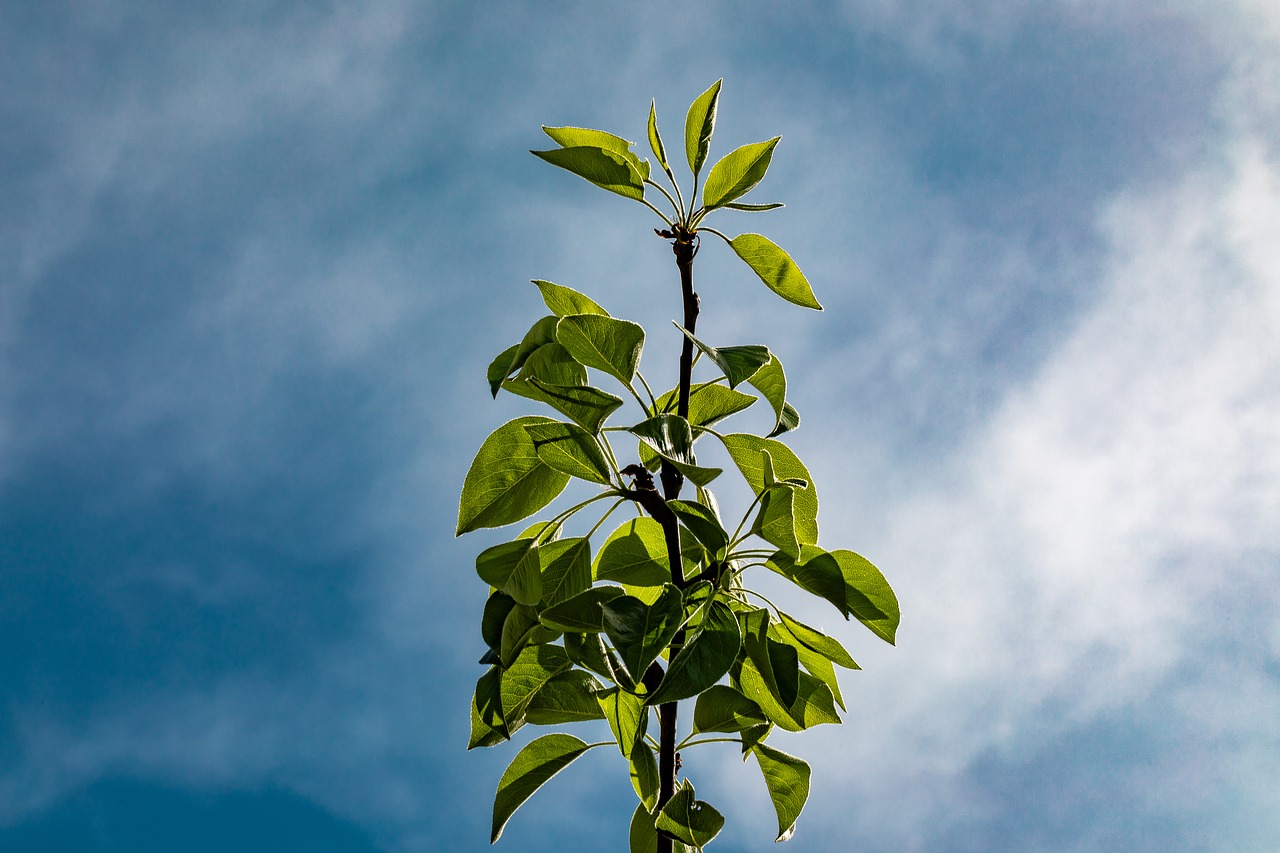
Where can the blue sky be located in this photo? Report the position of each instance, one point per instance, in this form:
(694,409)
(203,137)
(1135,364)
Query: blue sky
(255,257)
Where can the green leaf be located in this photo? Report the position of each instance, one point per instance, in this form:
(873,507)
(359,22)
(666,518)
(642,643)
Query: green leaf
(501,367)
(746,449)
(775,523)
(754,207)
(699,124)
(627,715)
(702,523)
(775,268)
(517,631)
(564,301)
(496,609)
(644,835)
(738,363)
(608,170)
(644,774)
(869,596)
(753,736)
(566,569)
(671,437)
(580,614)
(815,663)
(535,666)
(704,659)
(771,381)
(816,571)
(814,705)
(777,664)
(513,567)
(575,137)
(640,632)
(605,343)
(655,139)
(570,449)
(549,363)
(723,709)
(636,554)
(787,779)
(507,481)
(709,402)
(540,333)
(737,173)
(586,406)
(589,651)
(828,647)
(787,421)
(690,820)
(487,725)
(569,697)
(532,767)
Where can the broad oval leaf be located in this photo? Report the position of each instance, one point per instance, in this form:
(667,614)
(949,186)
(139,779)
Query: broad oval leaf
(507,481)
(775,522)
(704,659)
(828,647)
(787,779)
(563,301)
(566,569)
(746,451)
(517,632)
(688,819)
(709,402)
(644,774)
(635,554)
(487,724)
(627,716)
(868,595)
(570,449)
(606,169)
(775,268)
(512,567)
(502,367)
(573,137)
(723,709)
(671,437)
(496,609)
(699,124)
(580,614)
(641,631)
(535,666)
(605,343)
(813,706)
(701,521)
(816,571)
(532,767)
(569,697)
(588,407)
(771,381)
(643,835)
(737,173)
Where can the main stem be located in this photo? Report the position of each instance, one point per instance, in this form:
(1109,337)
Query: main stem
(672,481)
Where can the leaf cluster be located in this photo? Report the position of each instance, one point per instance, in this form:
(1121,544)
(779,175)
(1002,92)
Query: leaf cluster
(574,633)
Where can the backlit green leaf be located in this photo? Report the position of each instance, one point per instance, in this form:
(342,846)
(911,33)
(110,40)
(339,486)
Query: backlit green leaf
(605,343)
(571,449)
(564,301)
(507,481)
(569,697)
(699,124)
(635,553)
(512,567)
(574,137)
(532,767)
(586,406)
(640,632)
(644,774)
(655,139)
(671,437)
(775,268)
(869,596)
(705,657)
(771,381)
(502,367)
(787,779)
(688,819)
(487,725)
(737,173)
(702,523)
(589,651)
(709,402)
(566,569)
(606,169)
(496,609)
(814,705)
(745,450)
(776,663)
(736,205)
(817,572)
(723,709)
(828,647)
(775,522)
(627,715)
(517,631)
(738,363)
(644,835)
(581,613)
(535,666)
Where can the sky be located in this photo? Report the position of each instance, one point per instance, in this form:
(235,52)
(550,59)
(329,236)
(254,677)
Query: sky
(255,258)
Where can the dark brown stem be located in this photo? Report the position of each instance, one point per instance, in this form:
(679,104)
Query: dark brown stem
(685,248)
